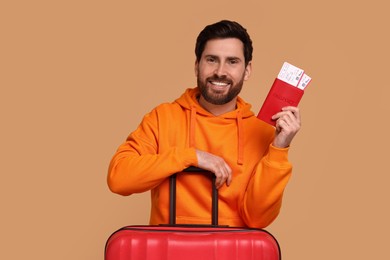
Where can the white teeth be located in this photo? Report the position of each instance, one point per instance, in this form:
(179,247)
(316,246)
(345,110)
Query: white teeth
(219,83)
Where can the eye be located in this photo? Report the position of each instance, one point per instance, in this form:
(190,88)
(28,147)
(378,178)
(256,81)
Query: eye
(233,61)
(210,59)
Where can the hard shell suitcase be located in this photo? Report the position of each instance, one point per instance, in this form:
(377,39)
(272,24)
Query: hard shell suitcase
(190,242)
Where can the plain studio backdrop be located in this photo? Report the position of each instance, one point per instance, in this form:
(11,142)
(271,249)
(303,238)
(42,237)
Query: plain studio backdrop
(77,77)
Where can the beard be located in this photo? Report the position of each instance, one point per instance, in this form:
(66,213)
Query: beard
(219,97)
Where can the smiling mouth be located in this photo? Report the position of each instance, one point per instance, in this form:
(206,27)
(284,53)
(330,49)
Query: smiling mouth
(219,83)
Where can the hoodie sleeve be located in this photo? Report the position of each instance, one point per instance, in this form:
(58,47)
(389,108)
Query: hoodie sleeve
(263,198)
(138,166)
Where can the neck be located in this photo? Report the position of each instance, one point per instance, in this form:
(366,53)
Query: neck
(217,110)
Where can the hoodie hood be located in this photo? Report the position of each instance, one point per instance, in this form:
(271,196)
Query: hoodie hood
(243,110)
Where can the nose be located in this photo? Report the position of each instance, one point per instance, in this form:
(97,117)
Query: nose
(220,70)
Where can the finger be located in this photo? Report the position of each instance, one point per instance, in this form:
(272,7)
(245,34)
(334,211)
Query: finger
(292,120)
(294,110)
(223,177)
(229,178)
(280,114)
(277,126)
(281,124)
(276,116)
(229,175)
(226,174)
(218,180)
(288,118)
(288,126)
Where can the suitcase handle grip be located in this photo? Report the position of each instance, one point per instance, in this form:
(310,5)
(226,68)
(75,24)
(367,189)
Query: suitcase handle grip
(172,196)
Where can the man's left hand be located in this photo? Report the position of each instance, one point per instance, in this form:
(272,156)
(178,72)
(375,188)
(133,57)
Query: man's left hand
(288,123)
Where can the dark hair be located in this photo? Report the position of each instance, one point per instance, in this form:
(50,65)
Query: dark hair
(222,30)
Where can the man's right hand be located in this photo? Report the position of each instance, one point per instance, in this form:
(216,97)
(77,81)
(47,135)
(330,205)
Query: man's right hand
(216,165)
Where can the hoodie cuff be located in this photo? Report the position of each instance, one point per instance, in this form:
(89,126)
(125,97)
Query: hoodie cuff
(278,155)
(190,158)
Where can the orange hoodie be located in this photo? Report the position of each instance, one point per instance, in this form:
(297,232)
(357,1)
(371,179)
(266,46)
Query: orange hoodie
(165,143)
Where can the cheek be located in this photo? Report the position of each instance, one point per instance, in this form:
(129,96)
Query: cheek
(206,69)
(238,76)
(203,73)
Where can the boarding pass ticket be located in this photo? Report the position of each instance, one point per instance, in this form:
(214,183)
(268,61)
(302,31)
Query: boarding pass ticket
(294,76)
(305,80)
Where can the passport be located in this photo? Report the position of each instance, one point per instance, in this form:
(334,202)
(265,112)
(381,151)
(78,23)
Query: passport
(287,90)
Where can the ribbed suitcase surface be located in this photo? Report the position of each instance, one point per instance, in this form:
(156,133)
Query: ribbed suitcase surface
(191,243)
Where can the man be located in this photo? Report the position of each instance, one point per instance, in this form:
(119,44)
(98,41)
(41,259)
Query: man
(210,127)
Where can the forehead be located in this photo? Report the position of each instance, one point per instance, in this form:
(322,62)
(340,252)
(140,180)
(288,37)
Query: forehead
(229,47)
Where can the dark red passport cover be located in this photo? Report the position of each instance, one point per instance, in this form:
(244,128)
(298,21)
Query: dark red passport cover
(280,95)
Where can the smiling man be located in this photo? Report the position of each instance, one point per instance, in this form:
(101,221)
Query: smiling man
(221,71)
(212,128)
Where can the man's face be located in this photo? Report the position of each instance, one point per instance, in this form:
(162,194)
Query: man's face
(221,70)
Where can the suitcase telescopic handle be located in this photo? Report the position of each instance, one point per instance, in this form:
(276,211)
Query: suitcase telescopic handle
(172,196)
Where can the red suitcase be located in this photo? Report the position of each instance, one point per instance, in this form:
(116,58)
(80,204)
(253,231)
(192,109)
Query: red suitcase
(190,242)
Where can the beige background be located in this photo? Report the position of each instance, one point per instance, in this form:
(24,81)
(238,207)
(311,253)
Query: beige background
(77,76)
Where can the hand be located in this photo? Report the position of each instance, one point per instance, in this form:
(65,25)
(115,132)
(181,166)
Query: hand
(216,165)
(288,123)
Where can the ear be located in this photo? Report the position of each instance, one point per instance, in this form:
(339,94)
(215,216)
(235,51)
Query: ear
(248,70)
(196,68)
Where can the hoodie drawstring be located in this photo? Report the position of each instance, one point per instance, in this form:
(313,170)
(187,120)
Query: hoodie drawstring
(240,132)
(192,126)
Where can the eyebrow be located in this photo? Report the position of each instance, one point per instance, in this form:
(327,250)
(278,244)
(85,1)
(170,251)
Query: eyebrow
(216,57)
